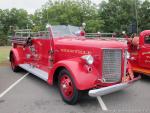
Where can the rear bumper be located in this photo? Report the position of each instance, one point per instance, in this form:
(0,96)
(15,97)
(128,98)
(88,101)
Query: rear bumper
(111,89)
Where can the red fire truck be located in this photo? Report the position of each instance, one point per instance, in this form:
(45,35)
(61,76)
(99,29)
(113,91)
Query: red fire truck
(139,48)
(75,63)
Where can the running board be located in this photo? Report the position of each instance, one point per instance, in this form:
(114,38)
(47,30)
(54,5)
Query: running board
(35,71)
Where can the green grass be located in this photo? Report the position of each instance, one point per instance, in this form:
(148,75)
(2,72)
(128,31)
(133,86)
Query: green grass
(4,53)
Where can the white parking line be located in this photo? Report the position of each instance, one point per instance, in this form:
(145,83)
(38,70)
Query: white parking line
(102,104)
(14,84)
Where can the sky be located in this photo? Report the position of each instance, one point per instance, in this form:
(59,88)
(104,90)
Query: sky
(29,5)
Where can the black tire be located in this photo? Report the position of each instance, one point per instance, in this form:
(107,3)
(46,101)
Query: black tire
(14,66)
(73,94)
(145,76)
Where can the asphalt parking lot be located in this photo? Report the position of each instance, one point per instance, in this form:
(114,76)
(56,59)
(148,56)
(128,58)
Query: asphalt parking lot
(32,95)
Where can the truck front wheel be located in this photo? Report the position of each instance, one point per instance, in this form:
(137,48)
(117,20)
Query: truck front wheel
(14,67)
(67,88)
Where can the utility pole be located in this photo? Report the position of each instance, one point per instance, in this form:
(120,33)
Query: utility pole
(136,15)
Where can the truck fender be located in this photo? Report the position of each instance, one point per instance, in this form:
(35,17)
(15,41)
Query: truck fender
(16,54)
(83,80)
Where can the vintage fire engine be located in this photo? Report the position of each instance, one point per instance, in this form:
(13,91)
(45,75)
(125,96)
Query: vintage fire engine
(139,48)
(75,63)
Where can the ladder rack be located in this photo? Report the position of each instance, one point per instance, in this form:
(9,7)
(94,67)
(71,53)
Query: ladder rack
(21,36)
(105,36)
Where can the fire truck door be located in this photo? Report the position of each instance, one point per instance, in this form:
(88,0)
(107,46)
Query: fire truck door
(44,52)
(144,56)
(35,49)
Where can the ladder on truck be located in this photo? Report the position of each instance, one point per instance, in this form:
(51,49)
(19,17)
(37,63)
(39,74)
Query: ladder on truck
(105,36)
(21,36)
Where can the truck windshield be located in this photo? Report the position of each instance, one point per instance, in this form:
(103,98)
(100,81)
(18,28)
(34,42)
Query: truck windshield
(147,39)
(74,29)
(64,30)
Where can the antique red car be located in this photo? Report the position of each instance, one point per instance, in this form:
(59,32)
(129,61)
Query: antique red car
(75,63)
(139,48)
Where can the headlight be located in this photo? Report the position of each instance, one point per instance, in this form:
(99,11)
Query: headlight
(88,58)
(127,55)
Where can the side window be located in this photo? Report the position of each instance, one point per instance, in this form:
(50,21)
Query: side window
(147,39)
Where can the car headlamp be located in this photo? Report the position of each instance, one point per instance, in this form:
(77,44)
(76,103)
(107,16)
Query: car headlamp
(88,58)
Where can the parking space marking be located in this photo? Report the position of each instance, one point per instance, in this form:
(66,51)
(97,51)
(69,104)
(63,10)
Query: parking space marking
(13,85)
(102,104)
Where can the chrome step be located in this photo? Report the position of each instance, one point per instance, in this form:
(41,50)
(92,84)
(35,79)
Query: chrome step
(35,71)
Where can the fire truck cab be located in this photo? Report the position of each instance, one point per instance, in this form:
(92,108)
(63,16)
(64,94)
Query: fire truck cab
(75,63)
(139,48)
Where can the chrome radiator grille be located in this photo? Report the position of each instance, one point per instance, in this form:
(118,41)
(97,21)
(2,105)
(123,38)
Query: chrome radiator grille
(112,61)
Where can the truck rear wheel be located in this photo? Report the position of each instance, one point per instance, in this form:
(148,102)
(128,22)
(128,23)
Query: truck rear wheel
(67,88)
(14,66)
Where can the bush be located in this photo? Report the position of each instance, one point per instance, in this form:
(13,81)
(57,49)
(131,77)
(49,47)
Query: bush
(4,40)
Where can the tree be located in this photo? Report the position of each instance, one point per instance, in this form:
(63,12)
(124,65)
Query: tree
(69,12)
(118,14)
(12,19)
(144,16)
(109,16)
